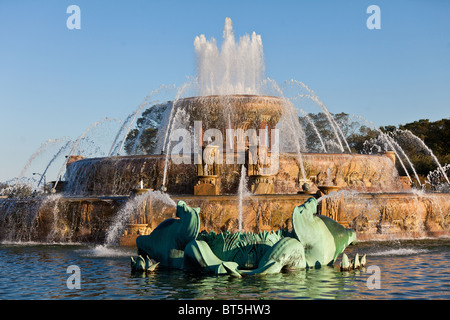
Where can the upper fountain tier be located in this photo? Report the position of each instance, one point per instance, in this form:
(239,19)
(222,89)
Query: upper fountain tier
(233,111)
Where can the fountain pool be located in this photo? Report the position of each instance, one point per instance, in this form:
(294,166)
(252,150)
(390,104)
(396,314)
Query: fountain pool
(409,270)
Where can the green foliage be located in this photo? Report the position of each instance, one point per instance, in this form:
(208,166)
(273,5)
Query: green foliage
(436,136)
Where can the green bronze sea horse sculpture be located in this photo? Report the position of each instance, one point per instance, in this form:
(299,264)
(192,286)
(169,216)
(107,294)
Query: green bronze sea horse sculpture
(176,243)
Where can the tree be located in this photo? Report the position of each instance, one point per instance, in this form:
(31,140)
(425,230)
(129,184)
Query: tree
(436,135)
(143,138)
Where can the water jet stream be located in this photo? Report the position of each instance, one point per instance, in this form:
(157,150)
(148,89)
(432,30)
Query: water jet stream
(391,142)
(312,96)
(148,120)
(314,128)
(428,150)
(170,126)
(63,148)
(166,160)
(33,156)
(74,147)
(132,122)
(242,193)
(119,132)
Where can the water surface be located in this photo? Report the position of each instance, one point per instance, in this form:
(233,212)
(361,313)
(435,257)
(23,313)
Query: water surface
(408,270)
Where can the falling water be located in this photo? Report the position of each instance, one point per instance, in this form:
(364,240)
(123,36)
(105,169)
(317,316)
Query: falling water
(168,126)
(294,133)
(113,148)
(59,230)
(180,115)
(138,136)
(22,221)
(131,207)
(230,142)
(389,141)
(333,123)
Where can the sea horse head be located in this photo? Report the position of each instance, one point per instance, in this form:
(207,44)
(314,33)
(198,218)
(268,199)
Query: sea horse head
(189,224)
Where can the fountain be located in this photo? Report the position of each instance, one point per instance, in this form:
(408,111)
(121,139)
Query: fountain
(237,136)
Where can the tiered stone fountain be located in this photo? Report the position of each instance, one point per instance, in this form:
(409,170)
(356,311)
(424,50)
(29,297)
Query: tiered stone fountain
(363,192)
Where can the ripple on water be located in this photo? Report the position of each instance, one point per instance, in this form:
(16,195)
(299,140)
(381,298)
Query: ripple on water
(399,252)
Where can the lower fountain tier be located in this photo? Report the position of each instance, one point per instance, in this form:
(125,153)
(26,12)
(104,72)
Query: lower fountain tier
(120,175)
(372,215)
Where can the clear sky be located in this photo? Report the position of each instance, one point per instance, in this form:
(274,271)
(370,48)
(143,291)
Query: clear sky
(56,82)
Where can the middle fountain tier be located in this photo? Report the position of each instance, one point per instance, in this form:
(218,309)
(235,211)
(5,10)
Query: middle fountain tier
(217,170)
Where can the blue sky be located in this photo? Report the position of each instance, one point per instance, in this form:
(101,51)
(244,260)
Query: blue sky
(56,82)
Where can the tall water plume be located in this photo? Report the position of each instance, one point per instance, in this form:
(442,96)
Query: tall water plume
(235,68)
